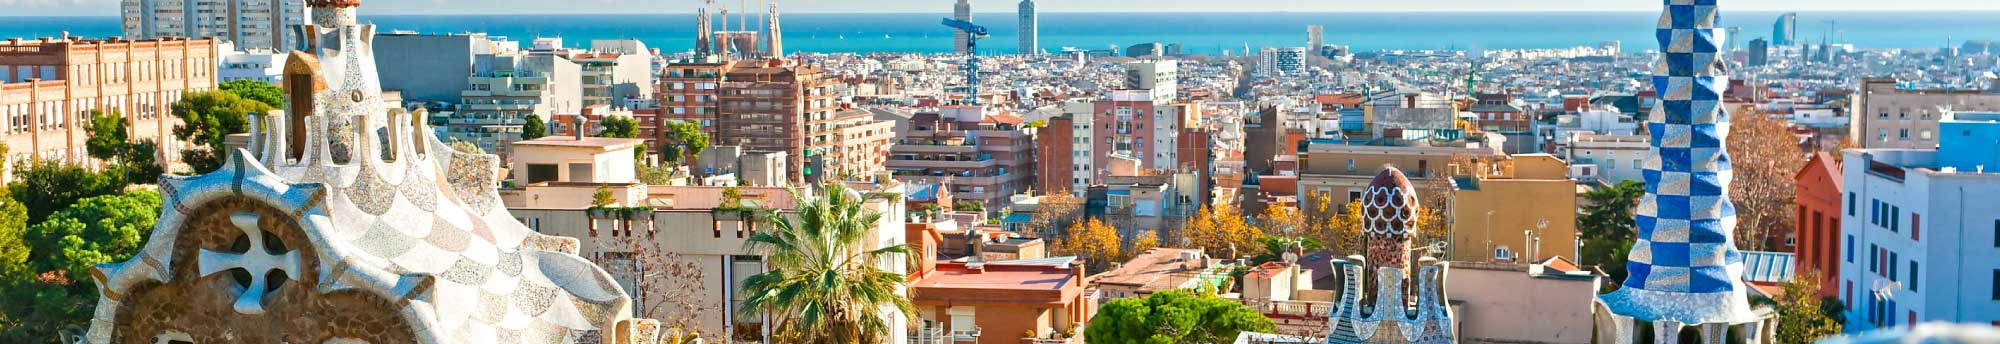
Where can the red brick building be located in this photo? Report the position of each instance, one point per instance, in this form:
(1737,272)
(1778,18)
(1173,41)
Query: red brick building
(1816,238)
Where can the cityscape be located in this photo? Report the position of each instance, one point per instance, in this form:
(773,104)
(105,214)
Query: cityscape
(999,172)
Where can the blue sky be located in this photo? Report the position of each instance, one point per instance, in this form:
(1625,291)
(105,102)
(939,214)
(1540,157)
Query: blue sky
(109,7)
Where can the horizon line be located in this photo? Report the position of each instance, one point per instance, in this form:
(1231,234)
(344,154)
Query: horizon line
(1861,10)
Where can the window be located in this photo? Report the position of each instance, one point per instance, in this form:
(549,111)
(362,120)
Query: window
(542,173)
(1895,219)
(1916,227)
(1502,253)
(1350,165)
(1851,206)
(1996,233)
(1847,296)
(1915,275)
(1875,212)
(1850,248)
(1893,257)
(1996,284)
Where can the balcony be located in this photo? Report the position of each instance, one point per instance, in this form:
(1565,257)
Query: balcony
(1307,310)
(913,148)
(945,164)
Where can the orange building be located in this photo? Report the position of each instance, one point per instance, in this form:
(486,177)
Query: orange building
(1816,238)
(1000,302)
(49,86)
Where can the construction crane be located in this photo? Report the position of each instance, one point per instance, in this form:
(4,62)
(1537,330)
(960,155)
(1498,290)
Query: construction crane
(973,33)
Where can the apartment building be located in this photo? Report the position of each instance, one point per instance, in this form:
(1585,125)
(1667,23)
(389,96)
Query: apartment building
(1608,158)
(1343,169)
(1920,240)
(1888,116)
(434,67)
(779,107)
(983,157)
(1490,223)
(688,90)
(49,86)
(614,71)
(250,24)
(691,224)
(507,88)
(1125,124)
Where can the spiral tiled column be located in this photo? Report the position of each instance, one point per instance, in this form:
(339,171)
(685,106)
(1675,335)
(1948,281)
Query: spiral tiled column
(1684,266)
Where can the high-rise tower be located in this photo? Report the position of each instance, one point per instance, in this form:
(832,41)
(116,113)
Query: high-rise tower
(1316,39)
(1684,269)
(775,43)
(963,12)
(1785,32)
(1031,43)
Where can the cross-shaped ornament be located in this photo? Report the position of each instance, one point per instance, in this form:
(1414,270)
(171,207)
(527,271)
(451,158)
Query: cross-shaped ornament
(257,260)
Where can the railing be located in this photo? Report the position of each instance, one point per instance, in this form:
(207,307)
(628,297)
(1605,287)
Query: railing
(1291,309)
(929,336)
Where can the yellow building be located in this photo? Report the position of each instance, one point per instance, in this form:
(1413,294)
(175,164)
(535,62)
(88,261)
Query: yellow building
(1496,211)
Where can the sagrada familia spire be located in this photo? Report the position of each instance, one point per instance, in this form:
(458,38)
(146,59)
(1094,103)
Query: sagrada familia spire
(1684,267)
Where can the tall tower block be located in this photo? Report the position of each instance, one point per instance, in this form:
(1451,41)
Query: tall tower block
(963,12)
(1031,42)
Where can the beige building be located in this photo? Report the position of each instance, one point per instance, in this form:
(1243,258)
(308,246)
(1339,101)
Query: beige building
(1888,117)
(1490,300)
(983,157)
(1344,170)
(690,224)
(49,86)
(1495,210)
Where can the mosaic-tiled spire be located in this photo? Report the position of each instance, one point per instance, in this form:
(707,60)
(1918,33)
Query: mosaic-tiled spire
(1684,267)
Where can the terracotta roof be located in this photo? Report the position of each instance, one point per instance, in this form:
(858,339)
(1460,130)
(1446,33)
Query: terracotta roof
(1267,270)
(1152,267)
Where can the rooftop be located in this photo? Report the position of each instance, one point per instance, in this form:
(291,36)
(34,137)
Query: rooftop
(1159,269)
(603,143)
(1048,280)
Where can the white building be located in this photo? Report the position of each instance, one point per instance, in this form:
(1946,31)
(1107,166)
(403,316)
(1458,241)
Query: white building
(250,24)
(1031,43)
(1278,61)
(255,64)
(1611,158)
(616,70)
(1921,235)
(1161,77)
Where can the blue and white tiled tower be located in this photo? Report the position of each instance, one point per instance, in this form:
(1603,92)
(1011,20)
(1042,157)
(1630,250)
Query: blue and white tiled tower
(1684,267)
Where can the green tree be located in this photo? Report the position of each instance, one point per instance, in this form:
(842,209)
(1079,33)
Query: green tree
(47,187)
(132,160)
(107,135)
(689,141)
(1606,223)
(1802,316)
(621,127)
(51,292)
(206,119)
(535,128)
(825,285)
(262,92)
(1173,317)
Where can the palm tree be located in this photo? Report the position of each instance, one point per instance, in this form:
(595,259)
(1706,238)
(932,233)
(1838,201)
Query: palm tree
(824,285)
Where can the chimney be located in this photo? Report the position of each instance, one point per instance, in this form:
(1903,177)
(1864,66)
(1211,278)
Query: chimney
(578,122)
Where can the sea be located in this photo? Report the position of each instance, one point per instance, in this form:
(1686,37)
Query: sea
(1197,33)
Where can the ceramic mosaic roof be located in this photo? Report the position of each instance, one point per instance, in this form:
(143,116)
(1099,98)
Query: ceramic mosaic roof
(387,209)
